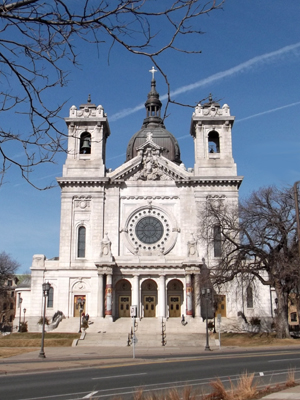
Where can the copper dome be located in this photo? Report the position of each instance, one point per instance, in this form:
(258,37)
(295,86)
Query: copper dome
(153,123)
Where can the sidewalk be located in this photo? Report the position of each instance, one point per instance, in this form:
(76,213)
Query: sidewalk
(58,358)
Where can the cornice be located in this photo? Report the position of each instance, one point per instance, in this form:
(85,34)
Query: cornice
(211,181)
(82,182)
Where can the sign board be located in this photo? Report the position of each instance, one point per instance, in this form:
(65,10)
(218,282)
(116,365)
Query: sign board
(133,310)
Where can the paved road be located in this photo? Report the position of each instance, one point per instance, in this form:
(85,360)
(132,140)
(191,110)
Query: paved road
(156,373)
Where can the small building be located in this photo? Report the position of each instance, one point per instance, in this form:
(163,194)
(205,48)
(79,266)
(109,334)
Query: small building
(8,304)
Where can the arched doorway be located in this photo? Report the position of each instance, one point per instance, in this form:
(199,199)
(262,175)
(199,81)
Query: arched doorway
(149,298)
(123,293)
(175,298)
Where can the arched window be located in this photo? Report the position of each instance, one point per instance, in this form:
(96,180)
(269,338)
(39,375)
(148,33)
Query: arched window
(217,241)
(50,298)
(81,242)
(85,143)
(213,142)
(249,297)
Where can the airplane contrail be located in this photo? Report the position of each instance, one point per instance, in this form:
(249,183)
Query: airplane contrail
(240,68)
(268,111)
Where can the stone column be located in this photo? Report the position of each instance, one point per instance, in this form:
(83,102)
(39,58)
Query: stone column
(135,301)
(108,296)
(189,302)
(162,296)
(100,296)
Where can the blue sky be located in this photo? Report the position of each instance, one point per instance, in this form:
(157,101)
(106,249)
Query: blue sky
(250,60)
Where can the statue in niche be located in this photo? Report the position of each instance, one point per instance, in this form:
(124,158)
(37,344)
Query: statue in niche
(105,247)
(192,248)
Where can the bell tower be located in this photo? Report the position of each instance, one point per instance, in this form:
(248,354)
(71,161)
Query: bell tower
(211,128)
(88,130)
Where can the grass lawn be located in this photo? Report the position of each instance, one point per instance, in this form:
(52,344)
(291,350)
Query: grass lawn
(27,339)
(254,339)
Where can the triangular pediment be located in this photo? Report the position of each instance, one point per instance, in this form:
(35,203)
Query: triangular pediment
(151,166)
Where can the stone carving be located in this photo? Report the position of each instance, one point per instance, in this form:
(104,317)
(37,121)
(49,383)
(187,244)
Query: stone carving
(105,247)
(192,250)
(216,197)
(82,202)
(149,197)
(79,286)
(212,111)
(87,112)
(150,170)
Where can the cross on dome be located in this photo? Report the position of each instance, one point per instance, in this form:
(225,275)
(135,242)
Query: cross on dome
(153,70)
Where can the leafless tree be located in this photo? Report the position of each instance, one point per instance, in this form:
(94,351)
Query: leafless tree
(39,38)
(8,267)
(258,238)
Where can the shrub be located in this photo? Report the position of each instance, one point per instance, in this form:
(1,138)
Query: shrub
(84,324)
(40,321)
(23,327)
(210,325)
(255,321)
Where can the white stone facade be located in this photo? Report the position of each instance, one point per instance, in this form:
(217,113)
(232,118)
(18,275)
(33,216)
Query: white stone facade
(129,236)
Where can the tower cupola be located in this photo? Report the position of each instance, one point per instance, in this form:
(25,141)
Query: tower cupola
(153,123)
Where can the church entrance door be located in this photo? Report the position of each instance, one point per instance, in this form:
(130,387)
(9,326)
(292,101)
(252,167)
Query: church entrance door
(123,298)
(149,306)
(175,296)
(174,306)
(76,306)
(124,306)
(149,298)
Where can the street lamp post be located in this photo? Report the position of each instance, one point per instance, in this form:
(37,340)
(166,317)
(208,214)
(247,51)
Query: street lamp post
(206,293)
(46,288)
(20,305)
(80,303)
(24,311)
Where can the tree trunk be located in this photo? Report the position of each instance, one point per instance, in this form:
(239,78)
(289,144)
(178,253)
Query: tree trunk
(282,323)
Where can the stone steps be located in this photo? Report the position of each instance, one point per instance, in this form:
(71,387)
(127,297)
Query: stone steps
(148,333)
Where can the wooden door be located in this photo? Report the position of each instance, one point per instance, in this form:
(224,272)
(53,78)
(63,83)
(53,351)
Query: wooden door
(174,306)
(76,306)
(149,306)
(221,305)
(124,306)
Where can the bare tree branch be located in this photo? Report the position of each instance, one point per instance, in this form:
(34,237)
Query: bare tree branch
(38,37)
(259,238)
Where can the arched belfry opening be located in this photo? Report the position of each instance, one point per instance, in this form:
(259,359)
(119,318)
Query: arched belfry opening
(213,142)
(85,143)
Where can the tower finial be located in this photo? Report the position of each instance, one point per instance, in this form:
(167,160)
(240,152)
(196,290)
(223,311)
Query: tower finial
(89,99)
(153,70)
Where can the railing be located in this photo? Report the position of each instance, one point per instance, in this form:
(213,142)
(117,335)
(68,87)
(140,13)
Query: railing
(163,333)
(130,335)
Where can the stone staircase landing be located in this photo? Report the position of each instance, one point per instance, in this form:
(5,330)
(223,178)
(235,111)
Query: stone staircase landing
(104,332)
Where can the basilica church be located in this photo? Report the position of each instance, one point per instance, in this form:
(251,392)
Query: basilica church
(129,236)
